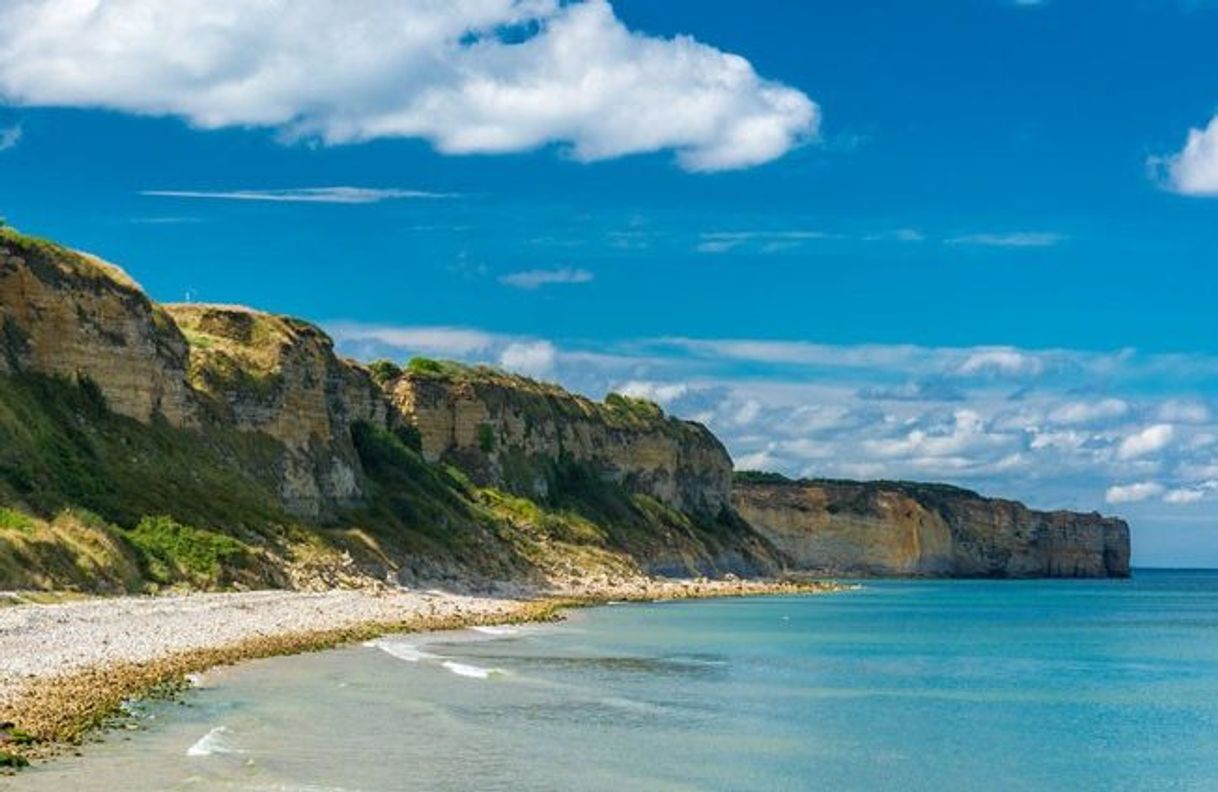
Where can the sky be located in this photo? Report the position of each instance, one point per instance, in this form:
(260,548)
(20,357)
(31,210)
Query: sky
(971,241)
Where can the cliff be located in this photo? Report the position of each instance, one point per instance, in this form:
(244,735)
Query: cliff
(512,432)
(905,529)
(219,445)
(280,377)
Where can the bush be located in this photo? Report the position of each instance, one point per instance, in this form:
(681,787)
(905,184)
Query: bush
(172,551)
(422,365)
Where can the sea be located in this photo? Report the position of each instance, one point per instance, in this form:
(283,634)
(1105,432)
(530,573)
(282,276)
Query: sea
(894,685)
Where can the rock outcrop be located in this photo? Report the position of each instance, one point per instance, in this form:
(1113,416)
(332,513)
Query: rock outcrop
(280,376)
(68,314)
(904,529)
(513,432)
(71,315)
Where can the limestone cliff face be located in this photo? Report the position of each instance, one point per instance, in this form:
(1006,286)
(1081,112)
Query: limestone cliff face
(280,376)
(196,367)
(68,314)
(900,529)
(510,432)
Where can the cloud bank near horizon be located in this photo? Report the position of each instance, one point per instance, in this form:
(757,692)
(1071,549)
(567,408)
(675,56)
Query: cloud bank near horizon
(470,76)
(1056,427)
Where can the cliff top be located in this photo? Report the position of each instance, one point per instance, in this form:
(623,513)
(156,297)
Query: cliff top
(49,258)
(615,410)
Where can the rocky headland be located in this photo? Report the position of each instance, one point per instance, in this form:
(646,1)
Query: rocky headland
(904,529)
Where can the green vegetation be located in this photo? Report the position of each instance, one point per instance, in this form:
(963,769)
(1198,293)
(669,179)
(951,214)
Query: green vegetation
(426,366)
(170,551)
(640,410)
(384,371)
(15,521)
(486,438)
(759,477)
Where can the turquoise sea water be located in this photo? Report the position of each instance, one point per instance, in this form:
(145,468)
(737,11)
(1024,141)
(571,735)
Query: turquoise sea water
(900,685)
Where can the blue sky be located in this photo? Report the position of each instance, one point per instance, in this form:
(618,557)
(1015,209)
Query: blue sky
(973,240)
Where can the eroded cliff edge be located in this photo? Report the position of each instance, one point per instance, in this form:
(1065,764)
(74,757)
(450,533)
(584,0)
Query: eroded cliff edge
(926,530)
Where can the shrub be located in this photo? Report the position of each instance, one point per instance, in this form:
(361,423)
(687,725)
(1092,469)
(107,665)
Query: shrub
(422,365)
(172,551)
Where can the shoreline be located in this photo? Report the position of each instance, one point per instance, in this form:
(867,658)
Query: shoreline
(67,668)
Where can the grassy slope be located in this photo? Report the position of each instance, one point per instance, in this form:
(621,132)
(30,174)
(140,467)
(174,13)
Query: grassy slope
(95,501)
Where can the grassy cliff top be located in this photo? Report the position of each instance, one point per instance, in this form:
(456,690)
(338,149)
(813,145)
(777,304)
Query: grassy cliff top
(55,258)
(615,410)
(252,339)
(915,489)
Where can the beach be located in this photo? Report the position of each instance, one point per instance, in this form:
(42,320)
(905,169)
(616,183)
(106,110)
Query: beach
(65,668)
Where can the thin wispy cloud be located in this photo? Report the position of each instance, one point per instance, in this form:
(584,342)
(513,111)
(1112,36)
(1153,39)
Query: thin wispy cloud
(10,137)
(765,241)
(535,279)
(330,195)
(1017,239)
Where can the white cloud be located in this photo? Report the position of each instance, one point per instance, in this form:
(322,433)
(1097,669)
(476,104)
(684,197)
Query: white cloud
(458,341)
(1179,496)
(658,392)
(1147,441)
(337,195)
(533,279)
(470,76)
(1183,411)
(533,358)
(9,137)
(1194,170)
(1017,239)
(765,241)
(1088,412)
(1002,361)
(1133,493)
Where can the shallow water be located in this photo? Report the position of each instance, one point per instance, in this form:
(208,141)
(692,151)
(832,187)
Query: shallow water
(909,685)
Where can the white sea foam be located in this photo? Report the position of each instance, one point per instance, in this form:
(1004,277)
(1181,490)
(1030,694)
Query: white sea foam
(402,651)
(472,671)
(497,629)
(631,705)
(213,743)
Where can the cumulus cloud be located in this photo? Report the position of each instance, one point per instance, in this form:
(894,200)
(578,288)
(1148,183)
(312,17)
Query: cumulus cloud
(535,279)
(470,76)
(532,358)
(662,393)
(1146,441)
(9,137)
(1194,169)
(1002,361)
(337,195)
(1133,493)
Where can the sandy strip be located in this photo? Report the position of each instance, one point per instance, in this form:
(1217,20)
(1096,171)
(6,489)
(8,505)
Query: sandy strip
(65,668)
